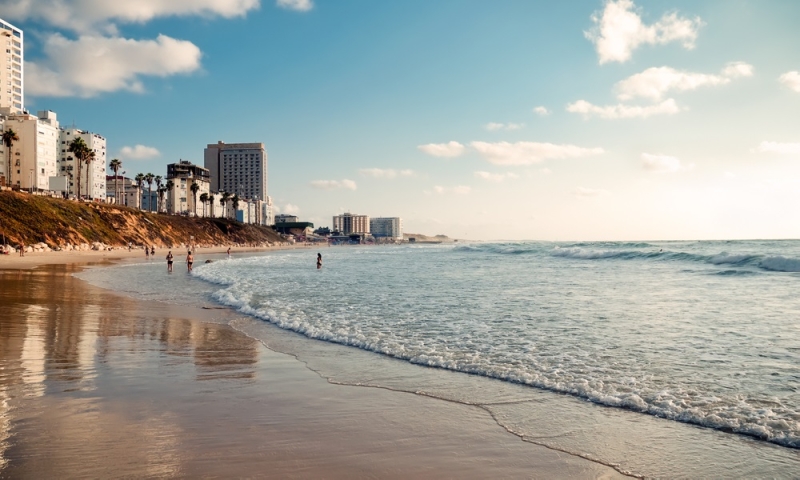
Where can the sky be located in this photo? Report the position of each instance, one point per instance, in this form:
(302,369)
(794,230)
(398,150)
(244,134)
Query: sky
(502,119)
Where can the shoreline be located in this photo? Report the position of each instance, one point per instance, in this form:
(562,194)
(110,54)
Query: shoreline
(411,447)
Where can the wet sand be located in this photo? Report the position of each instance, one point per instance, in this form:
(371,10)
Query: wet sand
(93,384)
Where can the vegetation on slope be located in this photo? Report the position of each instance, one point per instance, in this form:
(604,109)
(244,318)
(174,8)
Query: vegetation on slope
(32,219)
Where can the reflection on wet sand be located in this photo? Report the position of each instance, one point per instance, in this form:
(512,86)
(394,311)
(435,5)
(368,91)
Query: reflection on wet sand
(59,339)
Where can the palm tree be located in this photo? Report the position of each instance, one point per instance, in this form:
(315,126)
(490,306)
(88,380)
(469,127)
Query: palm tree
(9,137)
(168,188)
(90,156)
(235,203)
(158,180)
(211,203)
(115,165)
(204,200)
(139,181)
(161,191)
(194,188)
(148,178)
(224,202)
(79,150)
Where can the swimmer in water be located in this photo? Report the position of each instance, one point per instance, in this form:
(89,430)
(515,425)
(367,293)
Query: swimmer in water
(319,260)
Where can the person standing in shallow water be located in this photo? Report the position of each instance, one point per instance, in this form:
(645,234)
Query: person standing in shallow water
(189,260)
(170,259)
(319,260)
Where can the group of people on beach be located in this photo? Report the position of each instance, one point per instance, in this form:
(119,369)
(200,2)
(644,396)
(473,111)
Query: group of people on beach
(190,259)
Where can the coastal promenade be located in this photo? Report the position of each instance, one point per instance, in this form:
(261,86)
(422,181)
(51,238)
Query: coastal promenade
(96,384)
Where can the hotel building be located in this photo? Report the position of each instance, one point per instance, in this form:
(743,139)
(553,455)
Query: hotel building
(391,227)
(12,92)
(348,223)
(238,168)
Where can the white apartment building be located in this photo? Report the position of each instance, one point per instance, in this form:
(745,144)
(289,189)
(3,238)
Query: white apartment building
(34,157)
(180,198)
(238,168)
(95,172)
(12,92)
(391,227)
(348,223)
(128,191)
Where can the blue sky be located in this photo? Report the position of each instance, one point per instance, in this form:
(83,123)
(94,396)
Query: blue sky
(656,120)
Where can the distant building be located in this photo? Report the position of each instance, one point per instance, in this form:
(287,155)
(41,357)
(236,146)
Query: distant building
(238,168)
(391,227)
(348,223)
(181,199)
(34,157)
(128,191)
(12,68)
(282,218)
(95,172)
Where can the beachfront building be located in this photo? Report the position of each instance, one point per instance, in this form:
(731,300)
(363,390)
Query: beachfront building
(94,172)
(128,191)
(283,218)
(12,90)
(34,157)
(180,198)
(238,168)
(388,227)
(348,223)
(267,212)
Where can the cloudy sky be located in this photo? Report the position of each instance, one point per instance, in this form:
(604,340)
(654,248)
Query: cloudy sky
(477,119)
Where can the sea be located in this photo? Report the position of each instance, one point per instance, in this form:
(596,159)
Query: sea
(660,359)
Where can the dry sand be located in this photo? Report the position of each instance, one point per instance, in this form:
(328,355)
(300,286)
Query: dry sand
(97,385)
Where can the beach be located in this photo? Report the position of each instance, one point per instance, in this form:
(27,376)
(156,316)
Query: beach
(96,384)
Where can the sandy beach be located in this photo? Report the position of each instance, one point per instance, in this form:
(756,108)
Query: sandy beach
(94,384)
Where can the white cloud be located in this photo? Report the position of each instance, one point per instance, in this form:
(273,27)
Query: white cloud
(663,164)
(619,30)
(582,192)
(90,65)
(546,171)
(503,126)
(667,107)
(495,177)
(445,150)
(386,173)
(791,80)
(138,152)
(299,5)
(334,184)
(779,148)
(288,209)
(93,15)
(543,111)
(654,82)
(526,153)
(459,190)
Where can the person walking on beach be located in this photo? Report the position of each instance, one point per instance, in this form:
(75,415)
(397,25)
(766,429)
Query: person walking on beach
(21,249)
(319,261)
(170,259)
(153,250)
(229,252)
(189,260)
(147,252)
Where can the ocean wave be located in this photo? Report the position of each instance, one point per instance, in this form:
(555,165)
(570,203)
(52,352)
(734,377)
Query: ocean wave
(769,263)
(741,417)
(780,264)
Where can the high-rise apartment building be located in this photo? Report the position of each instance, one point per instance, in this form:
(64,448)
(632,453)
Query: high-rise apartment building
(348,223)
(12,93)
(391,227)
(93,175)
(238,168)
